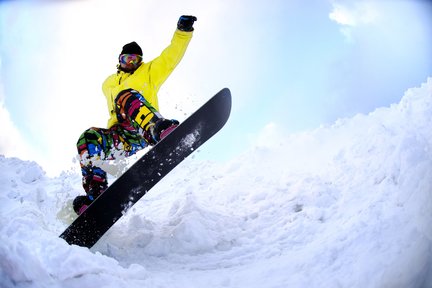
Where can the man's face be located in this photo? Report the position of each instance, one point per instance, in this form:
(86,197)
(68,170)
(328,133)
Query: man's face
(130,62)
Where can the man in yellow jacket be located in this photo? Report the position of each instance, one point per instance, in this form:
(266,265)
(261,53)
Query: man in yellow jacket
(135,121)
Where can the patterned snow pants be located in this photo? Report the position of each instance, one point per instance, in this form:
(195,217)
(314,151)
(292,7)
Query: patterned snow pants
(135,116)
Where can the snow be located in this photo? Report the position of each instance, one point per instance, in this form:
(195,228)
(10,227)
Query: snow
(346,205)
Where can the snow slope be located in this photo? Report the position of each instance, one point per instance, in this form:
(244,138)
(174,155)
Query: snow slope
(347,205)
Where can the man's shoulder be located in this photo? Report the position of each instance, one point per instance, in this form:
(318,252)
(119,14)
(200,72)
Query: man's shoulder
(110,81)
(111,77)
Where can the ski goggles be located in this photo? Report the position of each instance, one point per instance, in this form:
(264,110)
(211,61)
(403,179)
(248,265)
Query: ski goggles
(130,59)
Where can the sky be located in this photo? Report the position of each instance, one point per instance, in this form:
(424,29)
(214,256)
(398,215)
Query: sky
(291,65)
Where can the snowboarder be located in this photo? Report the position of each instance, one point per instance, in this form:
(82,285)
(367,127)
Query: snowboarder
(135,121)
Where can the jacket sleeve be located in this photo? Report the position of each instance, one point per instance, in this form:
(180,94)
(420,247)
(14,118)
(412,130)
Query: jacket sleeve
(162,66)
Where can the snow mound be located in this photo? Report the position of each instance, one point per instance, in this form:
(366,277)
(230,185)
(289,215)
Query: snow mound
(346,205)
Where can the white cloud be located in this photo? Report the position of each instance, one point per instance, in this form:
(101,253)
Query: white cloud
(352,15)
(342,15)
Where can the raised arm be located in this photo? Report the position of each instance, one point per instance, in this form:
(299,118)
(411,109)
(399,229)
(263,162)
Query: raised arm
(162,66)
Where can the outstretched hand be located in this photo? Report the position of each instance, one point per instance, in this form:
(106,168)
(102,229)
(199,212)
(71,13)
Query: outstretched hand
(185,23)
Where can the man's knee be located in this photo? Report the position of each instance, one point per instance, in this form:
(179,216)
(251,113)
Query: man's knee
(133,108)
(89,143)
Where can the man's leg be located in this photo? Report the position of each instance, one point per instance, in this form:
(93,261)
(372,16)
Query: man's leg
(133,110)
(94,145)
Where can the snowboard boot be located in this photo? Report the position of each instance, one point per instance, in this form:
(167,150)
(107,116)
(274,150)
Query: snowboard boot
(159,130)
(94,183)
(81,203)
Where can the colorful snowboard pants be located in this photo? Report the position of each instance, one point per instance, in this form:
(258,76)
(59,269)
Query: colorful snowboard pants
(135,116)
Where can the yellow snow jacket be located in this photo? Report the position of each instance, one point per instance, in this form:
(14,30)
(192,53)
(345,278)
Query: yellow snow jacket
(149,77)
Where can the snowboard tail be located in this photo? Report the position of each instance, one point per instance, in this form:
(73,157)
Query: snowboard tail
(92,224)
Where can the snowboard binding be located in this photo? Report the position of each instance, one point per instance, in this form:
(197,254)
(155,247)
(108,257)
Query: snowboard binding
(160,130)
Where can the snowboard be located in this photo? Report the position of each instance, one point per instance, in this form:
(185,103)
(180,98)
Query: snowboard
(123,193)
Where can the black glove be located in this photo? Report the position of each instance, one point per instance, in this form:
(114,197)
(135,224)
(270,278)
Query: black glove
(185,23)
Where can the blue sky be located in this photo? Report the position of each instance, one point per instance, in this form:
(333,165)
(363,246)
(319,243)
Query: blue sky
(293,65)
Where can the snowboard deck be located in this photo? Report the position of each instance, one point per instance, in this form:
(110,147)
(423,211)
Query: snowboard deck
(123,193)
